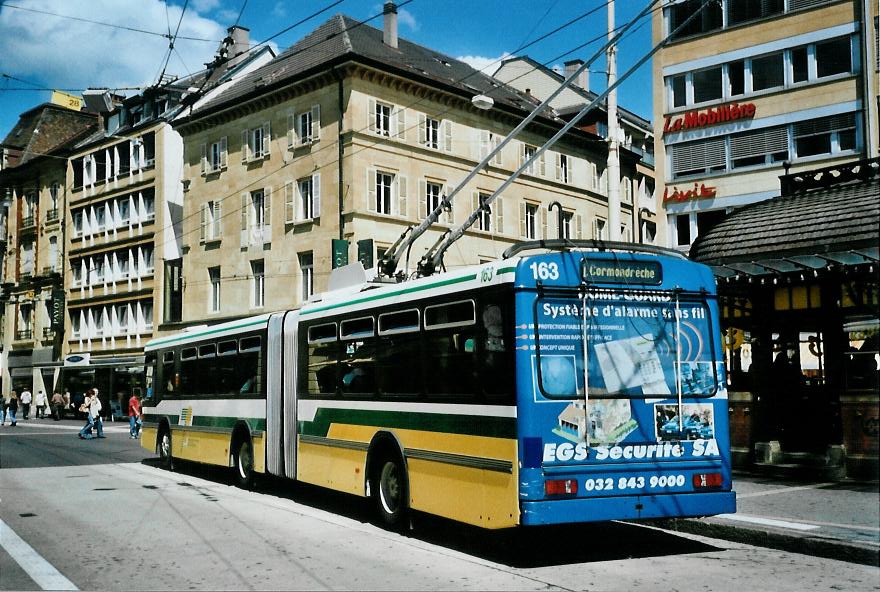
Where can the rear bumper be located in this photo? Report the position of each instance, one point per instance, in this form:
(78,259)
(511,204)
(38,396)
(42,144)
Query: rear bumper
(633,507)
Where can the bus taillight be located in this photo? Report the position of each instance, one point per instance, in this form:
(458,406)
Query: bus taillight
(702,480)
(561,487)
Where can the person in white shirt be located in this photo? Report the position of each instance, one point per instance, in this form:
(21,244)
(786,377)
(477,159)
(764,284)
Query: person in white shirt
(25,399)
(40,401)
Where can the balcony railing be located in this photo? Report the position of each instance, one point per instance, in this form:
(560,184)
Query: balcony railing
(48,332)
(27,222)
(24,334)
(52,215)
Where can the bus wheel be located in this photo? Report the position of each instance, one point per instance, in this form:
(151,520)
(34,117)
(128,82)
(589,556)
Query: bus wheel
(244,464)
(165,449)
(391,492)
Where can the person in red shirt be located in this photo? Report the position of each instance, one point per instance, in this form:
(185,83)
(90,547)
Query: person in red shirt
(134,417)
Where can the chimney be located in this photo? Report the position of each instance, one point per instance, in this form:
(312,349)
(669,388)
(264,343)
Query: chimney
(389,31)
(583,79)
(240,39)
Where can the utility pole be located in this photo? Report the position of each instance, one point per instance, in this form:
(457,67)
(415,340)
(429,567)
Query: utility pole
(613,168)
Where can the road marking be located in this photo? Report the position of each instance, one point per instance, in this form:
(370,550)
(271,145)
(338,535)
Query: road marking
(38,569)
(782,490)
(767,522)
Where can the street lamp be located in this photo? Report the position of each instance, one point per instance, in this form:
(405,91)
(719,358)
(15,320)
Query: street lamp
(482,102)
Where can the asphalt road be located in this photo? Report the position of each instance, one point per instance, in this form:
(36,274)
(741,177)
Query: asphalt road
(96,515)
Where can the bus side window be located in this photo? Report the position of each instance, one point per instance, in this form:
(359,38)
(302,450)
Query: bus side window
(496,351)
(322,356)
(450,348)
(168,375)
(250,366)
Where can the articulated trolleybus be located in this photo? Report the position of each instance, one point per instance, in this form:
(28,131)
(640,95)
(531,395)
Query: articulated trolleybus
(568,384)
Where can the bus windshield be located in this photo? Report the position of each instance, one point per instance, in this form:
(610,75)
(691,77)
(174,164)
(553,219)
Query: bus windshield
(642,344)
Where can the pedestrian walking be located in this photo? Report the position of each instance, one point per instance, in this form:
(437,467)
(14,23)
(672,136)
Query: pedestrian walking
(57,406)
(2,410)
(67,403)
(11,407)
(134,417)
(26,398)
(40,402)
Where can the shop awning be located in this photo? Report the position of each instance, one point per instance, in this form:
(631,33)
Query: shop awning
(827,227)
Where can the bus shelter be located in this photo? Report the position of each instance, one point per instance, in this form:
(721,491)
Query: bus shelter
(798,285)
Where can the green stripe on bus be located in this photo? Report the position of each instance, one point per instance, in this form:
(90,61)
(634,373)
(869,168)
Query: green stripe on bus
(208,421)
(466,278)
(183,336)
(505,270)
(468,425)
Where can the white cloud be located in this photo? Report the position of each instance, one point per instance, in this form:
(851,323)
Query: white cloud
(81,54)
(279,10)
(484,64)
(205,5)
(405,17)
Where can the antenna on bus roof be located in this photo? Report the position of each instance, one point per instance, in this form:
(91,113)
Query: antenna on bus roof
(427,266)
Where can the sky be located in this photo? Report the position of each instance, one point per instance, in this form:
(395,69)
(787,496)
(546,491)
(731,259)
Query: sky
(127,47)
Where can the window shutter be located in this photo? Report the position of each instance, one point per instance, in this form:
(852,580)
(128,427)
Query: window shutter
(267,138)
(759,142)
(541,164)
(447,134)
(267,215)
(401,124)
(423,199)
(558,160)
(316,195)
(484,144)
(371,188)
(522,219)
(448,215)
(316,123)
(475,200)
(204,225)
(245,148)
(522,153)
(218,219)
(244,219)
(204,161)
(289,203)
(291,129)
(224,152)
(401,195)
(495,141)
(699,155)
(578,226)
(423,132)
(498,207)
(371,115)
(543,223)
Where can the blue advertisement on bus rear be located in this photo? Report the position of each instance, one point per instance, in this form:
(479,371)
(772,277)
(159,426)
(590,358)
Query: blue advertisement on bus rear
(643,349)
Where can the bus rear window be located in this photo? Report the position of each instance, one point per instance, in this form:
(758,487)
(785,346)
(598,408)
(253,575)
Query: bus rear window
(637,348)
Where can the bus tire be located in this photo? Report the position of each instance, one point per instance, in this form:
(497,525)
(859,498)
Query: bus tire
(243,464)
(163,444)
(391,491)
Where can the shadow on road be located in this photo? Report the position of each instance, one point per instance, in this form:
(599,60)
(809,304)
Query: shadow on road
(539,546)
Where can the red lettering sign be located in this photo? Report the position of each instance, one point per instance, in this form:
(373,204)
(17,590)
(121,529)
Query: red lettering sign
(699,191)
(720,114)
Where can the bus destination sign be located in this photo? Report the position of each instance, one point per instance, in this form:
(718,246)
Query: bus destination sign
(605,271)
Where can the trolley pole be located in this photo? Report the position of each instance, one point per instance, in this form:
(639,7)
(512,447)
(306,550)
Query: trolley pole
(613,168)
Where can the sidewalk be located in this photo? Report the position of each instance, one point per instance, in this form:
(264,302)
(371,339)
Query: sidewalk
(835,520)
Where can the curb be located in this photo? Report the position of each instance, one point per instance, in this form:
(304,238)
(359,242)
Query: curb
(808,545)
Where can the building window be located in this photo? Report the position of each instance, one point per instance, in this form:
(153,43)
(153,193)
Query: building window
(485,219)
(384,185)
(257,207)
(709,19)
(214,281)
(736,77)
(256,143)
(700,157)
(826,135)
(305,195)
(683,230)
(258,284)
(211,221)
(564,175)
(217,156)
(305,127)
(706,221)
(707,85)
(833,57)
(759,147)
(432,133)
(565,231)
(382,119)
(740,11)
(678,88)
(307,275)
(77,224)
(768,72)
(530,221)
(433,195)
(800,69)
(600,229)
(527,153)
